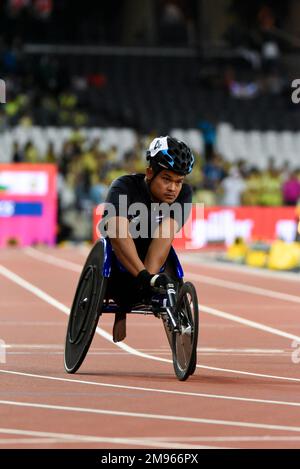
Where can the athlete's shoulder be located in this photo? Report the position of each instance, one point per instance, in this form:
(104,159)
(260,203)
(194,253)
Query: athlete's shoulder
(186,188)
(128,181)
(186,193)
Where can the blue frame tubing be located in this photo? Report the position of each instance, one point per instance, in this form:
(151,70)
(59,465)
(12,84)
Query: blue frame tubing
(106,269)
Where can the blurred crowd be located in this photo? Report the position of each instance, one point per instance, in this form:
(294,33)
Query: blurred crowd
(39,90)
(86,171)
(42,90)
(226,184)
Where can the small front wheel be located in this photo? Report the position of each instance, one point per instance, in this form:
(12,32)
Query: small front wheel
(184,342)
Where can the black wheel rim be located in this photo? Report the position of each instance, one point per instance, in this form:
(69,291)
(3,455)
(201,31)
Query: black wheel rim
(86,309)
(83,302)
(184,339)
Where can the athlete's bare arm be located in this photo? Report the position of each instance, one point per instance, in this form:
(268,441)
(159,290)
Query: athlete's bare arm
(125,250)
(123,245)
(160,246)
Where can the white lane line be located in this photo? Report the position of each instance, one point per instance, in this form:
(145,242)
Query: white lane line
(247,351)
(141,415)
(113,354)
(33,289)
(116,441)
(247,322)
(219,265)
(194,260)
(191,275)
(242,288)
(164,350)
(35,346)
(53,260)
(31,323)
(154,390)
(28,441)
(237,438)
(231,317)
(56,304)
(71,438)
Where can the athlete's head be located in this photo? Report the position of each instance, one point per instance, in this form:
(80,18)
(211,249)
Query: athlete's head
(170,153)
(170,160)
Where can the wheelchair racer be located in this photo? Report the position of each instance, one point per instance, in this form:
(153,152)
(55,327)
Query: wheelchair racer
(139,255)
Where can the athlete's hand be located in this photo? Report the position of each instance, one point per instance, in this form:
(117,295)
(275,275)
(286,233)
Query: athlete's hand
(161,281)
(146,281)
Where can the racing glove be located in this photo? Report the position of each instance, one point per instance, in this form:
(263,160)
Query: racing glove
(146,281)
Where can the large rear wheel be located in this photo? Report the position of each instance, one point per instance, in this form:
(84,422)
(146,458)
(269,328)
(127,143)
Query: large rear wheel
(86,309)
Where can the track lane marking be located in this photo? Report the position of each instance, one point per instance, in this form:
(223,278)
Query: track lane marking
(261,439)
(154,390)
(74,438)
(242,288)
(58,305)
(28,441)
(252,271)
(142,415)
(247,322)
(225,315)
(191,275)
(50,259)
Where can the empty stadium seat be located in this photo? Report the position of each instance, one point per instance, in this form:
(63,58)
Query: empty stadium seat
(254,146)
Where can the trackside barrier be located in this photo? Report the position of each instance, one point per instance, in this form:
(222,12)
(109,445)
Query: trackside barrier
(28,204)
(221,226)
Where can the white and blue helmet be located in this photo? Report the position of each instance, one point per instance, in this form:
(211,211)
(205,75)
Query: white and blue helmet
(170,153)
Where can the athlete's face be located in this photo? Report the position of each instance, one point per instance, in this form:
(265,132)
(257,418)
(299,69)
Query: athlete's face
(166,186)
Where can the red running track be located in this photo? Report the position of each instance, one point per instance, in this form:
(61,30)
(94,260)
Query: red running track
(244,394)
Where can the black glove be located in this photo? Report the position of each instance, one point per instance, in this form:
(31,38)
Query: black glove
(146,281)
(161,281)
(143,280)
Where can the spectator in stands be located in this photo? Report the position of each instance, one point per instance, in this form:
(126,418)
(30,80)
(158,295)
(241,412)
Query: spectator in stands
(291,190)
(246,89)
(195,179)
(50,156)
(214,173)
(232,188)
(253,188)
(285,171)
(69,151)
(18,154)
(173,24)
(98,190)
(242,167)
(298,222)
(271,193)
(270,48)
(209,133)
(31,153)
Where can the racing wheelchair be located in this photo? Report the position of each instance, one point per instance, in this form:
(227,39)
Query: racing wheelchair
(176,307)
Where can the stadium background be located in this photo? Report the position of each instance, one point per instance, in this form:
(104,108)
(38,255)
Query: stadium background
(88,84)
(88,87)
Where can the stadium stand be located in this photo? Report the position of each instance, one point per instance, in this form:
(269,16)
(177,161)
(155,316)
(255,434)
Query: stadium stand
(255,146)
